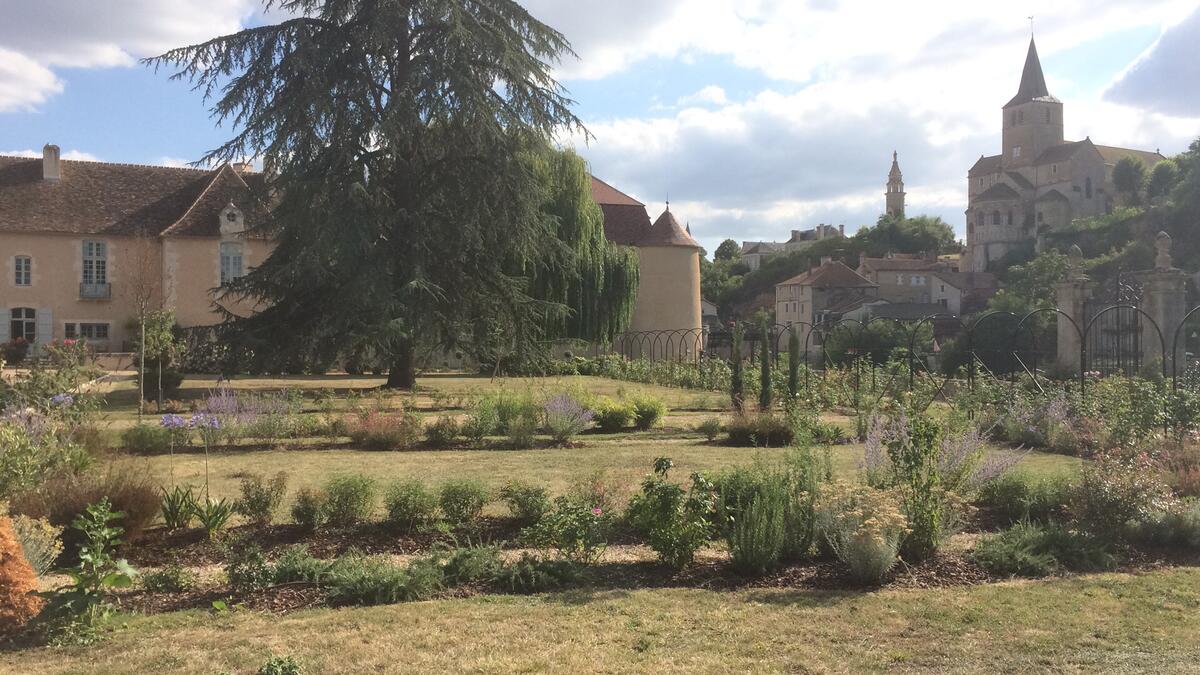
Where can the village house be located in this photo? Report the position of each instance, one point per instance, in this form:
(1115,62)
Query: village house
(830,289)
(85,246)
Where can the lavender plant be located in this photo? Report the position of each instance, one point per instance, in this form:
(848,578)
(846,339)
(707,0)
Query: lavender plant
(566,418)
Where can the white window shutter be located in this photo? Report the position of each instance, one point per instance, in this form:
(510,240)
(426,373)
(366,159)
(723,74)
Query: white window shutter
(45,326)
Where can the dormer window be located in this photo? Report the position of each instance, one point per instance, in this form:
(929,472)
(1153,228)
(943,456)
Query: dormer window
(23,265)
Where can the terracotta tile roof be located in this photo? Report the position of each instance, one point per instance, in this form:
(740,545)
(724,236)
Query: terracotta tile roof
(1112,155)
(625,219)
(603,193)
(998,192)
(833,274)
(986,166)
(227,186)
(117,199)
(667,231)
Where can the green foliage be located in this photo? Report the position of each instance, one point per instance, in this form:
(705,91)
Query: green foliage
(308,510)
(443,433)
(246,567)
(613,416)
(162,349)
(1114,491)
(879,342)
(280,665)
(528,503)
(1129,177)
(1163,178)
(727,250)
(532,574)
(710,427)
(648,411)
(213,515)
(410,505)
(522,433)
(737,395)
(1031,286)
(297,564)
(764,359)
(375,580)
(78,606)
(917,474)
(259,500)
(794,358)
(863,526)
(376,430)
(1014,497)
(462,501)
(179,506)
(675,523)
(146,439)
(349,500)
(171,578)
(577,531)
(471,564)
(767,512)
(1040,549)
(28,460)
(1177,527)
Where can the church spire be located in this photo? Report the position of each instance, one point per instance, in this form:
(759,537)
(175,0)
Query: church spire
(895,189)
(1033,81)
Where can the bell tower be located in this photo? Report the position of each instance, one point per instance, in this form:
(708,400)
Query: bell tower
(895,189)
(1033,119)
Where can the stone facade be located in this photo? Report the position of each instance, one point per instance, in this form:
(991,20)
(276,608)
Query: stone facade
(1039,181)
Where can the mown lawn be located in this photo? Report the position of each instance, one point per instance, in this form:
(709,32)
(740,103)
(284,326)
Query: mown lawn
(1110,623)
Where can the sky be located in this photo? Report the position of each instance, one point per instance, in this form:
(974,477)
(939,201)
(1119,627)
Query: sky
(753,117)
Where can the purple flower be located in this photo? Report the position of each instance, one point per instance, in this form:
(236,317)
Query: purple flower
(203,421)
(174,422)
(63,400)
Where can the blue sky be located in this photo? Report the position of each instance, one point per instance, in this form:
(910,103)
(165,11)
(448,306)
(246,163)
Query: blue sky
(755,116)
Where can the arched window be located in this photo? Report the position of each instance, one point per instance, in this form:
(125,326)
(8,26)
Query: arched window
(1087,187)
(24,324)
(996,217)
(1012,119)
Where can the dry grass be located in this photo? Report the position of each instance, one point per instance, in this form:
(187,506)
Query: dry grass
(1112,623)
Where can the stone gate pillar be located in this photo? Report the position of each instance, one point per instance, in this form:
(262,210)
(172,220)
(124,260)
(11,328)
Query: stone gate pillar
(1164,299)
(1071,295)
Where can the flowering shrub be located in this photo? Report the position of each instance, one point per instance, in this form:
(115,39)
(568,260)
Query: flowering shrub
(1180,464)
(380,431)
(674,522)
(577,531)
(565,418)
(864,527)
(613,416)
(1115,490)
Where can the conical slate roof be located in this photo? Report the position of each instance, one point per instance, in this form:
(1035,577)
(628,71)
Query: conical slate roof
(666,231)
(1033,81)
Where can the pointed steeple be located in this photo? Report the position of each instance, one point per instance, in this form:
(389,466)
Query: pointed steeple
(895,189)
(1033,81)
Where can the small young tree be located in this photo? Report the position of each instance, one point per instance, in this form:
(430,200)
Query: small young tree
(764,381)
(736,393)
(1129,175)
(1163,178)
(144,284)
(794,361)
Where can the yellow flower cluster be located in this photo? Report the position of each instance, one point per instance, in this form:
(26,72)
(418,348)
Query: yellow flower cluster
(862,513)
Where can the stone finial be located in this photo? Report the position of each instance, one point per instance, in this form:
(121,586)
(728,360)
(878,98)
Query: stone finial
(1162,244)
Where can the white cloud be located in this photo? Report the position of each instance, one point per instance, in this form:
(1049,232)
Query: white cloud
(24,83)
(78,155)
(1165,77)
(710,95)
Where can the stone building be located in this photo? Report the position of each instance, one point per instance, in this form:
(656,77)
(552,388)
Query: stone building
(1039,181)
(894,197)
(832,287)
(83,245)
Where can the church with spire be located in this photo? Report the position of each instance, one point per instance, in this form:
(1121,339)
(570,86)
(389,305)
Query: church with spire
(1039,181)
(894,197)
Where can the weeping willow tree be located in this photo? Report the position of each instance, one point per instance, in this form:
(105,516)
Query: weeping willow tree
(415,202)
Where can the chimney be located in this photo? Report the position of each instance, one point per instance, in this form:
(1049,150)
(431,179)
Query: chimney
(51,170)
(242,167)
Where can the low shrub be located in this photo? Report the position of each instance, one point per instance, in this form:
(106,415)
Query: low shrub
(759,430)
(178,506)
(674,522)
(528,503)
(1113,491)
(146,439)
(648,411)
(128,488)
(280,665)
(755,523)
(1040,549)
(259,500)
(711,428)
(296,564)
(410,505)
(602,489)
(1013,497)
(375,580)
(471,564)
(1181,465)
(462,501)
(1176,527)
(18,583)
(172,578)
(247,567)
(376,430)
(349,500)
(308,510)
(40,541)
(443,433)
(566,418)
(575,530)
(522,433)
(863,526)
(482,421)
(613,416)
(14,352)
(533,574)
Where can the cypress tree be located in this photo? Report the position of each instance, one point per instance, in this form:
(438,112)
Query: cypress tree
(736,393)
(764,383)
(793,361)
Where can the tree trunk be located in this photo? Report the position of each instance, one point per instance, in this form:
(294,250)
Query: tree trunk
(403,374)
